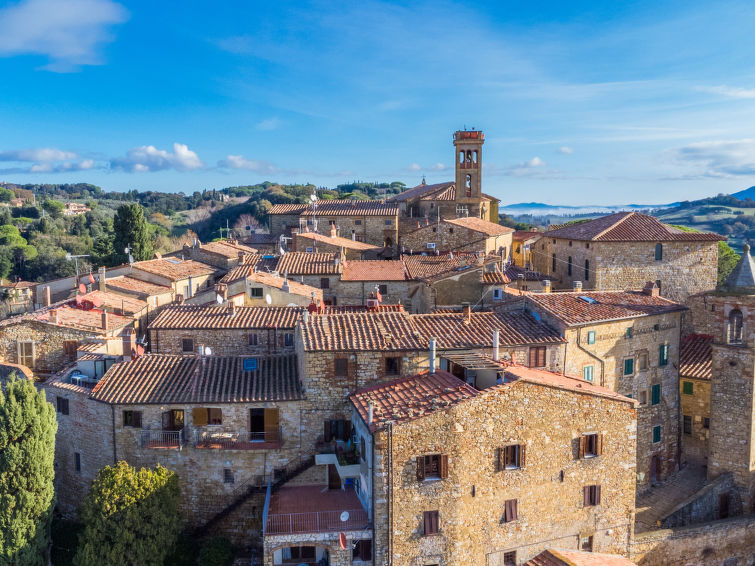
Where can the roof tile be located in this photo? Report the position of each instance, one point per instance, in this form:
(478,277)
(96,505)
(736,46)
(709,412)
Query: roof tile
(214,317)
(696,356)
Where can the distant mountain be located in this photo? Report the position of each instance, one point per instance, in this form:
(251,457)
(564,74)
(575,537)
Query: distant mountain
(745,194)
(539,208)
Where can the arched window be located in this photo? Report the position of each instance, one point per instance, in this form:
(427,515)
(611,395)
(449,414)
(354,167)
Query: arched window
(461,157)
(553,261)
(469,156)
(569,268)
(587,270)
(475,156)
(735,326)
(468,185)
(658,252)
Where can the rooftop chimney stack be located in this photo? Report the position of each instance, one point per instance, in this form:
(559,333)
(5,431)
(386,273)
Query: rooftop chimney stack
(333,232)
(432,355)
(54,315)
(371,410)
(466,310)
(305,316)
(577,286)
(104,320)
(651,289)
(241,258)
(546,286)
(520,282)
(129,343)
(231,308)
(47,301)
(101,283)
(496,336)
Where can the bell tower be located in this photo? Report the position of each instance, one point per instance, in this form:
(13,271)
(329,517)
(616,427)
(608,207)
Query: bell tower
(468,159)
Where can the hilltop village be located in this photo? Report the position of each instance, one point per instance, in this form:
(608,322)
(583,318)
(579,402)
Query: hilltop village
(408,382)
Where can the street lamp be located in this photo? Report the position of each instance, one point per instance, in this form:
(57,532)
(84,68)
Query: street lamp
(75,258)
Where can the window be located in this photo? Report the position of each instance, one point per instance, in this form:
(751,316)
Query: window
(61,404)
(392,366)
(687,424)
(587,373)
(383,289)
(590,445)
(497,294)
(642,361)
(587,270)
(324,283)
(431,523)
(341,366)
(187,345)
(332,222)
(643,397)
(228,475)
(77,461)
(362,550)
(264,425)
(591,495)
(735,326)
(688,387)
(510,511)
(628,332)
(70,347)
(591,337)
(337,429)
(663,354)
(132,419)
(585,543)
(656,434)
(255,292)
(553,263)
(357,222)
(628,366)
(207,416)
(26,354)
(509,558)
(288,340)
(309,249)
(537,357)
(706,422)
(659,252)
(655,394)
(253,339)
(388,222)
(569,265)
(511,457)
(432,467)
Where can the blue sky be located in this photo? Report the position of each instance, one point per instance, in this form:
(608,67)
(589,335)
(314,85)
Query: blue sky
(581,102)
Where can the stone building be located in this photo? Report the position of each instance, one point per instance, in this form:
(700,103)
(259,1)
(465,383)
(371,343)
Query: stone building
(266,289)
(626,249)
(226,330)
(628,342)
(523,242)
(20,295)
(319,270)
(352,248)
(361,279)
(695,370)
(186,277)
(446,484)
(499,283)
(223,254)
(470,234)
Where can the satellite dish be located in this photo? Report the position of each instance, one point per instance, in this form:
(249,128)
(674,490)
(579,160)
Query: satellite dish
(207,351)
(342,538)
(82,288)
(219,299)
(268,299)
(344,516)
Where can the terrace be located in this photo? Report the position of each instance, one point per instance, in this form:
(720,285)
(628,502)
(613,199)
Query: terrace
(224,440)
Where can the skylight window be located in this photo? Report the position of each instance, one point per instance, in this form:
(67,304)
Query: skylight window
(588,300)
(173,260)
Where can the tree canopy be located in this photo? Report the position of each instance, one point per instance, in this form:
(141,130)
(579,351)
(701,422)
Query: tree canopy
(131,230)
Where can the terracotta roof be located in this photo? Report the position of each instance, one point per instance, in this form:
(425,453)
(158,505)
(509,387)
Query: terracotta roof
(432,267)
(336,241)
(343,309)
(339,207)
(382,331)
(410,398)
(164,379)
(628,227)
(554,557)
(424,191)
(226,248)
(559,381)
(7,369)
(259,261)
(452,331)
(480,225)
(373,270)
(696,356)
(510,275)
(294,287)
(71,317)
(174,268)
(19,285)
(257,239)
(114,302)
(126,283)
(524,235)
(572,309)
(215,317)
(303,263)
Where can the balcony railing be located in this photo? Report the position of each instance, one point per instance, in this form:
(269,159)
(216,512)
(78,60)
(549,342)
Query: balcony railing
(315,522)
(170,439)
(223,440)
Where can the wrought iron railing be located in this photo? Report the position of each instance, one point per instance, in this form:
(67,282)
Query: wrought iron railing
(224,440)
(315,522)
(163,439)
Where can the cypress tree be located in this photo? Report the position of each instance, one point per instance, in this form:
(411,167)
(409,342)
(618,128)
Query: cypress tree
(27,451)
(131,229)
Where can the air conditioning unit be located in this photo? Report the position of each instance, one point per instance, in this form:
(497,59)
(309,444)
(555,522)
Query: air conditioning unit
(430,245)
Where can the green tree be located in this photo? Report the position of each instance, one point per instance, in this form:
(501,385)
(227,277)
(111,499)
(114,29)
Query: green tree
(27,448)
(5,195)
(131,230)
(131,517)
(217,551)
(727,259)
(53,207)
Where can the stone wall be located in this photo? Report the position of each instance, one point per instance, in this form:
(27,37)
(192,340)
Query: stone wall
(705,505)
(696,406)
(687,268)
(375,230)
(470,501)
(466,287)
(223,342)
(450,237)
(357,292)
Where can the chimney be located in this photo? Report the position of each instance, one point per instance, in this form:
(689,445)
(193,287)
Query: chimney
(286,288)
(221,289)
(333,233)
(104,320)
(241,258)
(129,343)
(305,316)
(546,286)
(577,286)
(466,310)
(371,411)
(54,315)
(651,289)
(47,302)
(337,260)
(496,336)
(101,282)
(520,282)
(432,355)
(231,308)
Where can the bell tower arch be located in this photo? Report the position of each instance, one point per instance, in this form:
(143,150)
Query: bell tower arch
(468,159)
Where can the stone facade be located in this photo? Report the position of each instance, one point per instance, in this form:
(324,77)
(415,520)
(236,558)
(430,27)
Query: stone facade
(695,398)
(375,230)
(470,501)
(686,268)
(223,341)
(444,236)
(357,292)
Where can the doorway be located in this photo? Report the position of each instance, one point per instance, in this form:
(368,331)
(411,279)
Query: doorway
(654,469)
(334,479)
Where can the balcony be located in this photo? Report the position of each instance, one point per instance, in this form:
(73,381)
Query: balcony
(163,439)
(223,440)
(347,461)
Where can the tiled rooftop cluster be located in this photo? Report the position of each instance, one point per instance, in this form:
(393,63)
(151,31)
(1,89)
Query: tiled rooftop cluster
(696,356)
(217,317)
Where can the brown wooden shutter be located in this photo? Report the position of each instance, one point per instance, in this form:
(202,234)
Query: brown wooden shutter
(428,522)
(533,357)
(271,425)
(541,357)
(581,453)
(522,455)
(498,459)
(597,495)
(199,416)
(327,431)
(420,468)
(599,444)
(586,496)
(443,466)
(514,510)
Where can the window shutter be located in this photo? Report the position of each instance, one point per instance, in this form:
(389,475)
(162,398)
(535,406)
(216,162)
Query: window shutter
(514,510)
(522,455)
(597,495)
(581,453)
(533,357)
(498,459)
(428,522)
(420,468)
(541,356)
(586,496)
(599,445)
(443,466)
(507,511)
(327,431)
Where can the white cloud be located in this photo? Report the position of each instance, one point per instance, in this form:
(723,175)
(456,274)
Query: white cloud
(729,91)
(36,154)
(436,167)
(268,125)
(566,150)
(43,160)
(534,162)
(240,162)
(70,33)
(723,158)
(415,167)
(149,158)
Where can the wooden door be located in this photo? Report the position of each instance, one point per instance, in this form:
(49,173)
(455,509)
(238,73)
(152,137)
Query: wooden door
(271,425)
(334,480)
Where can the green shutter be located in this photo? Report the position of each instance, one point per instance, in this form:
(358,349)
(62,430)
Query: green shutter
(688,387)
(663,354)
(587,373)
(655,396)
(591,337)
(657,433)
(629,366)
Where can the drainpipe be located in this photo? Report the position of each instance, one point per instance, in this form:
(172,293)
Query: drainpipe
(432,364)
(496,336)
(589,353)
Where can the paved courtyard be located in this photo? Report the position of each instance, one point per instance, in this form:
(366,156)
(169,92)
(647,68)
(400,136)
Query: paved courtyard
(657,502)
